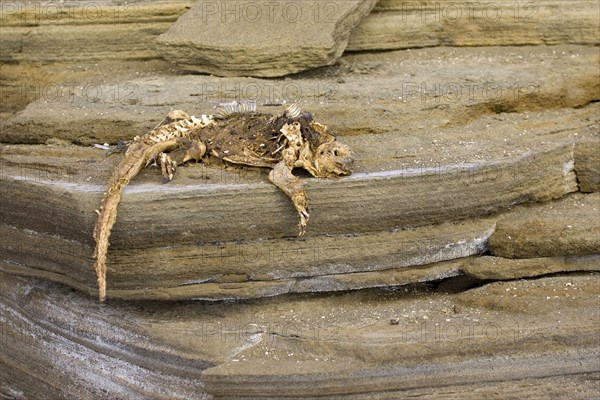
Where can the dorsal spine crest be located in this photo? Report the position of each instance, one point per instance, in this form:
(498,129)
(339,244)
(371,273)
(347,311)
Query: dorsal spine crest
(178,129)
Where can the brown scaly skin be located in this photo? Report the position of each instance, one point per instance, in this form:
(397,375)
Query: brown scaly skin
(279,142)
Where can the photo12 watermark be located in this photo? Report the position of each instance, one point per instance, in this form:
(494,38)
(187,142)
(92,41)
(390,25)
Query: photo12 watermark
(206,94)
(268,92)
(461,329)
(72,92)
(269,12)
(461,91)
(468,12)
(65,12)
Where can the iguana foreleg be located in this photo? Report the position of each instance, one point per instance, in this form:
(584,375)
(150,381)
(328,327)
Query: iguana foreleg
(187,150)
(282,177)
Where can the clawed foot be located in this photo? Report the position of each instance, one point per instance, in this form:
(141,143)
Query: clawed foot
(167,167)
(303,221)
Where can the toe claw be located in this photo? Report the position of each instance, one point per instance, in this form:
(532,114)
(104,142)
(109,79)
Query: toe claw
(303,221)
(302,230)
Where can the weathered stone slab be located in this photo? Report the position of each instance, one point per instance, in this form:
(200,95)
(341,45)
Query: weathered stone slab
(42,32)
(250,270)
(125,42)
(247,38)
(587,164)
(567,227)
(37,13)
(397,24)
(327,346)
(228,237)
(459,161)
(404,92)
(498,268)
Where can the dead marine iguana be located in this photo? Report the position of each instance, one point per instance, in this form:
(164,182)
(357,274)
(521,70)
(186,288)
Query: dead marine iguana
(237,135)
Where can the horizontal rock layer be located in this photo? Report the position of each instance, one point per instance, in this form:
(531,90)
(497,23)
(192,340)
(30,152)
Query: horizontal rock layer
(361,344)
(155,254)
(67,32)
(398,24)
(568,227)
(404,93)
(43,32)
(451,143)
(433,175)
(498,268)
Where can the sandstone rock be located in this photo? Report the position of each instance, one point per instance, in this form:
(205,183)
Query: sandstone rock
(241,270)
(37,34)
(506,339)
(498,268)
(460,161)
(397,24)
(55,48)
(255,39)
(75,32)
(442,154)
(567,227)
(228,237)
(587,165)
(401,92)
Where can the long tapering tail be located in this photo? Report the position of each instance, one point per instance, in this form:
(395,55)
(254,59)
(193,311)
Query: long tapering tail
(164,137)
(130,166)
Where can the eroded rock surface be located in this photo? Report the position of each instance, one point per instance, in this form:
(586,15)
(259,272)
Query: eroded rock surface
(398,24)
(366,343)
(568,227)
(498,268)
(454,147)
(246,38)
(410,94)
(220,245)
(587,164)
(432,177)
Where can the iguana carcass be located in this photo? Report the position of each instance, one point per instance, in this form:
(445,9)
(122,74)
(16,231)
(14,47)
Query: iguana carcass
(238,135)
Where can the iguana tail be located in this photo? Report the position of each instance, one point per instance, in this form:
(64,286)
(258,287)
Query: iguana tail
(135,159)
(164,137)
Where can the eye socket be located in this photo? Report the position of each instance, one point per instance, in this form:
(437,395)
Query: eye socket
(335,153)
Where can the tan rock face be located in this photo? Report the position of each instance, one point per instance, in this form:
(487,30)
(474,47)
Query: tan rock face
(587,164)
(398,24)
(498,268)
(569,227)
(502,338)
(260,38)
(405,94)
(433,175)
(221,250)
(460,152)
